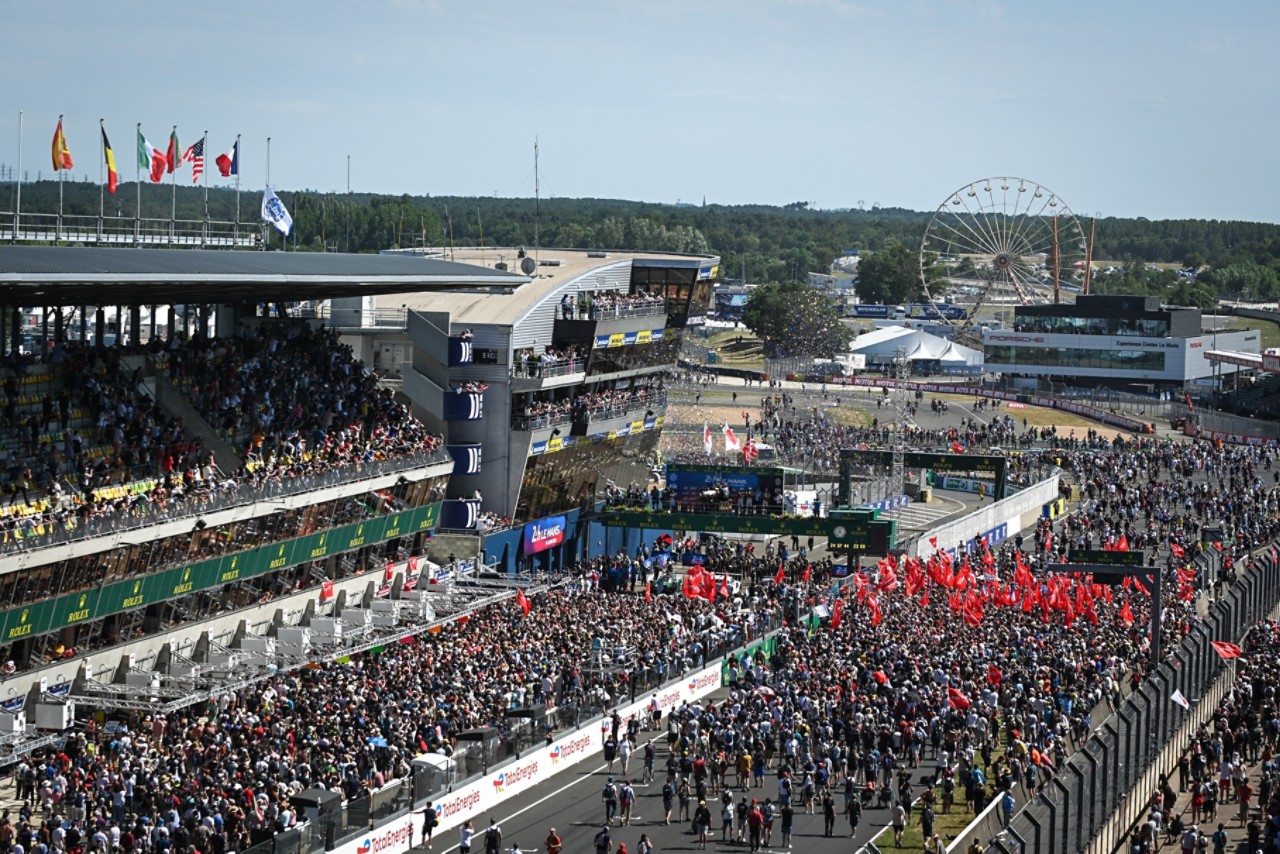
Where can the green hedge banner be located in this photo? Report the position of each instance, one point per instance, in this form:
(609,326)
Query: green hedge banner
(125,595)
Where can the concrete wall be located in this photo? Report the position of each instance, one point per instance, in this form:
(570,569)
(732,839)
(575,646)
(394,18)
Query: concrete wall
(1010,515)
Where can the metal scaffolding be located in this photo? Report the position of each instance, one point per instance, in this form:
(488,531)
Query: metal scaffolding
(901,421)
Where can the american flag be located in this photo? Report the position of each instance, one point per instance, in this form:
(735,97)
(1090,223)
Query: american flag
(195,156)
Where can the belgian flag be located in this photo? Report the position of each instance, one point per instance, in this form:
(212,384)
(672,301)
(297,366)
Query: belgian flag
(113,177)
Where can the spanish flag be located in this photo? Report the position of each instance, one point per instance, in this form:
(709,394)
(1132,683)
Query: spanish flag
(61,154)
(113,177)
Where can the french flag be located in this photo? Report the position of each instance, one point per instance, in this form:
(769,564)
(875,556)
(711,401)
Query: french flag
(229,161)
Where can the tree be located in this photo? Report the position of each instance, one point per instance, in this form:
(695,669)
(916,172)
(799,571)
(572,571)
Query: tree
(796,319)
(892,275)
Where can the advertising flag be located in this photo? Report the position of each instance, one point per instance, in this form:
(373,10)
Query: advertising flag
(274,212)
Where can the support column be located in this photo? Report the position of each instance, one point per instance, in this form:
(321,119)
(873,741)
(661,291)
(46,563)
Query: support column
(44,332)
(171,325)
(204,321)
(135,324)
(84,324)
(152,336)
(59,334)
(99,324)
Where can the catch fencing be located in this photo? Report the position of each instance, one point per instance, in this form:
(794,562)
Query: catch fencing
(1104,789)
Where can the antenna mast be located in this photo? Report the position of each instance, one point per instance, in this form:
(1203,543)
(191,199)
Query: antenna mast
(536,200)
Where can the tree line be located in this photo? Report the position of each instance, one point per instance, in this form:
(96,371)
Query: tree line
(761,243)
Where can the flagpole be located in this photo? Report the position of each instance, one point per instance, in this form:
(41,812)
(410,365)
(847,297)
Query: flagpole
(205,147)
(17,208)
(137,174)
(57,235)
(102,190)
(173,209)
(348,202)
(236,162)
(267,231)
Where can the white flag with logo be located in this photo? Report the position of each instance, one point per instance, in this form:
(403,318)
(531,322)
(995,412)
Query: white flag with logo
(706,437)
(730,441)
(274,212)
(1180,700)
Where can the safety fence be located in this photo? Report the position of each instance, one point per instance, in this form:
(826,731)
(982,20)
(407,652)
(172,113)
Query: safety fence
(1103,790)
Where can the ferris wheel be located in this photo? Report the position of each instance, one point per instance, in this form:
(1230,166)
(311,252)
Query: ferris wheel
(1001,242)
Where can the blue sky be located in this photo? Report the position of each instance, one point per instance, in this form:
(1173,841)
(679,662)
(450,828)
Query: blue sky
(1125,108)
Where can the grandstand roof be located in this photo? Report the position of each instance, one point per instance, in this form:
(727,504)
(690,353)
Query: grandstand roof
(52,275)
(569,264)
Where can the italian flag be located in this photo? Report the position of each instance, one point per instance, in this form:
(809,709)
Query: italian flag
(151,159)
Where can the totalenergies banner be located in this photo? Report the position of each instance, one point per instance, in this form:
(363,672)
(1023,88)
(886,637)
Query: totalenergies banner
(490,791)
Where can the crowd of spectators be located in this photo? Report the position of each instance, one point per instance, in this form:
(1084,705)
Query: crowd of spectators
(605,305)
(553,361)
(540,411)
(290,398)
(218,775)
(1225,757)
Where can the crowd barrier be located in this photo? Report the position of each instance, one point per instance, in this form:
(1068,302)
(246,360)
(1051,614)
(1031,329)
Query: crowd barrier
(486,773)
(1103,790)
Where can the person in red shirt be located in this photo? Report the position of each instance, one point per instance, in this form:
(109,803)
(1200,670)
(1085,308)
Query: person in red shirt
(755,823)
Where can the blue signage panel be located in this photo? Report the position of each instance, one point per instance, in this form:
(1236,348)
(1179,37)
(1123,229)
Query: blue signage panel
(543,534)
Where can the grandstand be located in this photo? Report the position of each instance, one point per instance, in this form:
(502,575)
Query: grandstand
(170,502)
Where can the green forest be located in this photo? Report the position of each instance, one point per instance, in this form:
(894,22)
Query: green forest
(1234,260)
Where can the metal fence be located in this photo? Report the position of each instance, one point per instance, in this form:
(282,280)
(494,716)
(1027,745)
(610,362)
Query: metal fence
(31,227)
(1104,789)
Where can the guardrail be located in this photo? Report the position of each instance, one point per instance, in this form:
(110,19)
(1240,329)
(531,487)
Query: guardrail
(1102,791)
(126,231)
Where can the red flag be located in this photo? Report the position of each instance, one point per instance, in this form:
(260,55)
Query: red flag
(1177,550)
(648,592)
(1217,545)
(808,573)
(874,605)
(1122,545)
(390,572)
(1126,613)
(837,614)
(888,580)
(1227,650)
(933,541)
(957,448)
(957,698)
(781,574)
(994,676)
(326,590)
(413,564)
(880,677)
(524,603)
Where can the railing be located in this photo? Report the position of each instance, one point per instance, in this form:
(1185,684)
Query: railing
(526,423)
(545,370)
(388,318)
(1103,790)
(615,312)
(125,231)
(147,514)
(605,413)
